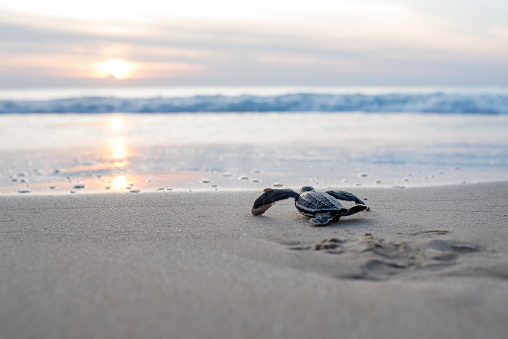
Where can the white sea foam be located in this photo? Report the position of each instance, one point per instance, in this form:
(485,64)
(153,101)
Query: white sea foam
(436,102)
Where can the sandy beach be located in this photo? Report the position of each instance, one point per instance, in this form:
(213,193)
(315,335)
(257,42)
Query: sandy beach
(135,139)
(424,262)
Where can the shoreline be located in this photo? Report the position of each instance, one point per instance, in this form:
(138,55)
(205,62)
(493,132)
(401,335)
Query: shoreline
(198,181)
(238,189)
(424,262)
(150,151)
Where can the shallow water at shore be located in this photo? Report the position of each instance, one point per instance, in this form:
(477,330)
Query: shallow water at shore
(51,153)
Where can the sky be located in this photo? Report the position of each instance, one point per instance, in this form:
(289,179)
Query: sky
(61,43)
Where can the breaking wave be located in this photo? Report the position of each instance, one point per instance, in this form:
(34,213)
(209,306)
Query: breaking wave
(399,102)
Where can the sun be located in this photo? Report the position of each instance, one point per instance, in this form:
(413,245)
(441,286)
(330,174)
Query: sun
(118,68)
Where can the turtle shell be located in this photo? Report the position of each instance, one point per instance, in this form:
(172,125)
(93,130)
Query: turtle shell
(310,203)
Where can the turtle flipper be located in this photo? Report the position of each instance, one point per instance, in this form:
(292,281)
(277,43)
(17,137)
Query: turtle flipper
(346,196)
(270,197)
(322,219)
(353,210)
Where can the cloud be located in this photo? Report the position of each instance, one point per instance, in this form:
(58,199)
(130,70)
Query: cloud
(277,59)
(376,42)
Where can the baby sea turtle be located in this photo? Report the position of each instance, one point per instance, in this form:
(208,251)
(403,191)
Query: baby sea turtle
(322,207)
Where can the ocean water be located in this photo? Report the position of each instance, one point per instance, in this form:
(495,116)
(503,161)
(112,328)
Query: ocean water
(159,100)
(137,141)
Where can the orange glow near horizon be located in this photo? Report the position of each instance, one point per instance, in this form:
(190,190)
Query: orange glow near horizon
(118,68)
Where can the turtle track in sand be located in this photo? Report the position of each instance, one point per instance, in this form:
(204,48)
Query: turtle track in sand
(373,258)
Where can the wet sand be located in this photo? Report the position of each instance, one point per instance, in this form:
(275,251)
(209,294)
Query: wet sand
(424,262)
(51,153)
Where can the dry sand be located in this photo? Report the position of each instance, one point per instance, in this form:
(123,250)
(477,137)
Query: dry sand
(423,263)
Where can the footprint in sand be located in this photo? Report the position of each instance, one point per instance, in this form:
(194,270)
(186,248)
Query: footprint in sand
(381,259)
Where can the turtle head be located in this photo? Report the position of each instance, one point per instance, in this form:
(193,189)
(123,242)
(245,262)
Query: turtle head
(307,189)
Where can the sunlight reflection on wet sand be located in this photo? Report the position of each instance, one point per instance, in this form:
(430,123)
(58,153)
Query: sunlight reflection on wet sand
(132,152)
